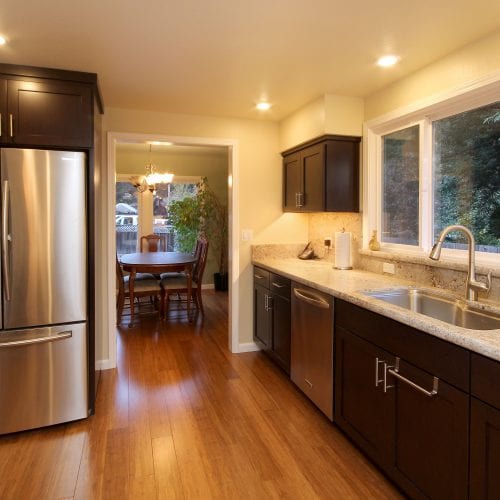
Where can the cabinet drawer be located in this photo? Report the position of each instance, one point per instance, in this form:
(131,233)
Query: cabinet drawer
(485,379)
(279,285)
(261,277)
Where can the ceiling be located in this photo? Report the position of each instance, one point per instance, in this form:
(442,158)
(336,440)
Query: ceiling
(220,57)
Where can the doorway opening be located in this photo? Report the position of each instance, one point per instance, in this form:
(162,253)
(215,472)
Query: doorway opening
(119,141)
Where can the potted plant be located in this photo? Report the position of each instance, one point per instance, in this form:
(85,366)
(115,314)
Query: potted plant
(203,214)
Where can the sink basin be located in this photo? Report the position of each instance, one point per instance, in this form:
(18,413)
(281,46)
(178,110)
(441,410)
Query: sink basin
(448,309)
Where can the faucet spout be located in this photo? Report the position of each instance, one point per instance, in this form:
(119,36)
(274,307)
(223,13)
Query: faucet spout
(472,285)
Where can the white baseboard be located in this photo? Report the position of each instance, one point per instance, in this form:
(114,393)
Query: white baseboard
(248,347)
(207,286)
(104,364)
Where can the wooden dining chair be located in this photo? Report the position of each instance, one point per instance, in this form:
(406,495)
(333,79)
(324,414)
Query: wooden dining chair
(152,243)
(143,287)
(182,274)
(178,284)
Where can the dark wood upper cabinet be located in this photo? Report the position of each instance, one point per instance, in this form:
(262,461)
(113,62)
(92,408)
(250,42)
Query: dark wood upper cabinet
(322,175)
(46,107)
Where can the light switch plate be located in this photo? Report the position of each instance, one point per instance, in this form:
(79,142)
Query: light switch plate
(246,234)
(388,268)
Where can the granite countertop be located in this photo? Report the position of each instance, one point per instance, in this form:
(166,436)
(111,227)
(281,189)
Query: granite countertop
(348,285)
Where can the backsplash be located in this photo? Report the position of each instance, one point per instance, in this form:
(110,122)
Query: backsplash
(325,225)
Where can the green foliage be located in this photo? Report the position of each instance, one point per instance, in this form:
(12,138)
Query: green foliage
(185,217)
(467,173)
(202,214)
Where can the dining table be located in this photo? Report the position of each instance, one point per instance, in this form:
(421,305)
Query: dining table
(157,263)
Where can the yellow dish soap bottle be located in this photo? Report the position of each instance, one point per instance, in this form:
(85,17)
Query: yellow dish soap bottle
(373,244)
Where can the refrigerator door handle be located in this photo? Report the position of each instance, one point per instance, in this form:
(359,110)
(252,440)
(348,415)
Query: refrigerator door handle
(5,240)
(38,340)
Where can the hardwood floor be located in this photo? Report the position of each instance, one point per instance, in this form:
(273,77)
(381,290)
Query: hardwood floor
(182,417)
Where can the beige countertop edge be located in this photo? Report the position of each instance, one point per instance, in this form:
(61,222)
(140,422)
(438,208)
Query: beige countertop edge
(347,285)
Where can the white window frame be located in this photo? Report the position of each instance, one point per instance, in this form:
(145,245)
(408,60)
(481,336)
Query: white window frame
(473,95)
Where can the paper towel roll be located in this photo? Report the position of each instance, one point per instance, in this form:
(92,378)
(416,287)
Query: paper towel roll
(343,251)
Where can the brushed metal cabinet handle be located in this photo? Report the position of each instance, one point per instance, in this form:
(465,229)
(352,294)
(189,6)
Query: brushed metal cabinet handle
(11,123)
(277,285)
(0,124)
(394,371)
(378,362)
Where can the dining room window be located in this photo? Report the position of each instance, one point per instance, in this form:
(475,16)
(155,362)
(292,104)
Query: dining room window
(126,217)
(145,213)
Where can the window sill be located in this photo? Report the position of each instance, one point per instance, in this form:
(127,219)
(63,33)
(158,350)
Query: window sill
(455,263)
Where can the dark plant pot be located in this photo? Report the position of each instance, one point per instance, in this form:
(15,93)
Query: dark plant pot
(220,282)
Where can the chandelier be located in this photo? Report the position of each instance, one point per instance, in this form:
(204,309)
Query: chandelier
(151,179)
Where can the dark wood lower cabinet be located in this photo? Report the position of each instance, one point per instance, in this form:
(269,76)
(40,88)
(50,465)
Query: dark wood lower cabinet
(484,451)
(272,315)
(362,408)
(431,437)
(262,319)
(420,438)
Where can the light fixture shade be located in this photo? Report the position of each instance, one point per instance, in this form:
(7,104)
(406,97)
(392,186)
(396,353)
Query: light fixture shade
(149,181)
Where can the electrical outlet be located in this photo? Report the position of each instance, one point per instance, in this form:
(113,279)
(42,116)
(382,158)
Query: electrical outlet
(388,268)
(328,242)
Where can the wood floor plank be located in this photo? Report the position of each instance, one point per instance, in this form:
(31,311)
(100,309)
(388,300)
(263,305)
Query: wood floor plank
(182,417)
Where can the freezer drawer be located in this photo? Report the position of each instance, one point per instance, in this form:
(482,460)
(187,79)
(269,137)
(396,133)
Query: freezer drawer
(43,377)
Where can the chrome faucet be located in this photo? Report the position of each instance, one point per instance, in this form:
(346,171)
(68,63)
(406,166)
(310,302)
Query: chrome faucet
(472,285)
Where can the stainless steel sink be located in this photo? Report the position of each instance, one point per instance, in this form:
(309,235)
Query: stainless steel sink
(435,305)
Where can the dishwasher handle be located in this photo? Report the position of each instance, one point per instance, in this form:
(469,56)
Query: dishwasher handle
(311,298)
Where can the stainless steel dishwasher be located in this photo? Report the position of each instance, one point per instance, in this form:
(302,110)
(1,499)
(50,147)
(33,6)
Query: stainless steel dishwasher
(312,345)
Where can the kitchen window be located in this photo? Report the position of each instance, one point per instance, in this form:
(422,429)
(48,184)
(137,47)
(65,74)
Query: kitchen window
(439,167)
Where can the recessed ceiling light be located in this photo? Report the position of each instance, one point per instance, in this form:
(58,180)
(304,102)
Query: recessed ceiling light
(3,40)
(263,106)
(389,60)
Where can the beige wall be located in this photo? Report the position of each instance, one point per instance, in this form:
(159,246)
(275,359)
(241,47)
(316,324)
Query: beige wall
(470,63)
(330,114)
(259,184)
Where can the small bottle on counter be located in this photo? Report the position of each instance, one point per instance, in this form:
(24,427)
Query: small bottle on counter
(373,244)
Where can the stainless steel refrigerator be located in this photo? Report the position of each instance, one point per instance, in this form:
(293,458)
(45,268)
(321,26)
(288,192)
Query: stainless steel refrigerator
(43,335)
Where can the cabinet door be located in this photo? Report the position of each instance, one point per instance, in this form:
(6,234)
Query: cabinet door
(4,134)
(49,113)
(313,163)
(342,176)
(293,183)
(362,409)
(484,451)
(281,330)
(431,440)
(262,317)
